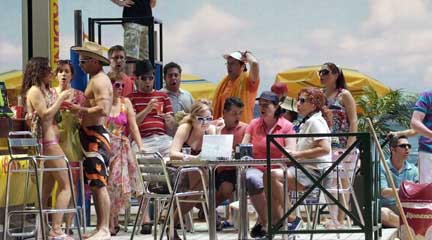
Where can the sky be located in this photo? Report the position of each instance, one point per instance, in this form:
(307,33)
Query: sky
(389,40)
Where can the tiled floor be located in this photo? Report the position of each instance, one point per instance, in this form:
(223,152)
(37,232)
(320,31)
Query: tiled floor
(202,234)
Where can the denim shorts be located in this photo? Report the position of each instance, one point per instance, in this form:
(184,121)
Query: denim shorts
(254,181)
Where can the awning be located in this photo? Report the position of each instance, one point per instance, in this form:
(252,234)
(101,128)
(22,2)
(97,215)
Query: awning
(197,86)
(300,77)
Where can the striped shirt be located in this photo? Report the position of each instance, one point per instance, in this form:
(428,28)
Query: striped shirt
(152,123)
(424,105)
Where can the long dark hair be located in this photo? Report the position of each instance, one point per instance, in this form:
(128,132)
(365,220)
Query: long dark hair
(340,81)
(34,73)
(316,97)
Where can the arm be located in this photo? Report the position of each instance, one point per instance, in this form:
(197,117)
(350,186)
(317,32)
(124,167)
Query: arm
(254,67)
(133,127)
(37,101)
(103,100)
(178,141)
(246,138)
(418,126)
(321,147)
(152,3)
(407,132)
(143,114)
(388,192)
(124,3)
(351,111)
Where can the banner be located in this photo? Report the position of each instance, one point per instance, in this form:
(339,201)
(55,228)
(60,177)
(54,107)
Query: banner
(54,35)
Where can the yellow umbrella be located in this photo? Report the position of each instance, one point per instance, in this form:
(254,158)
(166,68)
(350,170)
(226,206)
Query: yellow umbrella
(12,79)
(300,77)
(198,87)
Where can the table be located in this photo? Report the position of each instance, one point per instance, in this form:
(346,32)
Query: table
(241,166)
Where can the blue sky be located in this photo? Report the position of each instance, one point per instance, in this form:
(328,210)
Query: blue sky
(389,40)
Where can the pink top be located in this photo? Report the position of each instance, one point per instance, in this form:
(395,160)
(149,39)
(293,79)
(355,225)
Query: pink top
(258,133)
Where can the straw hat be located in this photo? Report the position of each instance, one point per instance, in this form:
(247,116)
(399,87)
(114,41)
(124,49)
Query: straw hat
(92,50)
(289,104)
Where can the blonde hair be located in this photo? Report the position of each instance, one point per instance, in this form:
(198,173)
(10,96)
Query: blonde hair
(197,108)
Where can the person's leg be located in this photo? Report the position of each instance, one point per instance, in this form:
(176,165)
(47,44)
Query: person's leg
(63,185)
(389,218)
(424,167)
(255,189)
(195,184)
(144,43)
(225,185)
(277,197)
(101,198)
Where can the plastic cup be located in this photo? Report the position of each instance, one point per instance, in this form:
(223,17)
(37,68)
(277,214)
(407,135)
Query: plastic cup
(186,150)
(159,108)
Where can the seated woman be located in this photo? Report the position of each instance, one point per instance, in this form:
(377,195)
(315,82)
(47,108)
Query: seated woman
(123,179)
(271,121)
(316,119)
(190,133)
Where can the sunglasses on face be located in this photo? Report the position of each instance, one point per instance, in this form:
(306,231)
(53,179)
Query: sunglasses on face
(84,61)
(203,120)
(323,72)
(301,100)
(146,78)
(405,145)
(118,85)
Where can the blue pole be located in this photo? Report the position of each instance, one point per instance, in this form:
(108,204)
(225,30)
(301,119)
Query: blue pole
(79,80)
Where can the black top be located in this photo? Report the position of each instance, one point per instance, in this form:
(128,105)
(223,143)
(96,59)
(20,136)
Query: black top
(141,8)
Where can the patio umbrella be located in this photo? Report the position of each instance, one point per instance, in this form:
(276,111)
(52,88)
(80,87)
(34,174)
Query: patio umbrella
(300,77)
(197,86)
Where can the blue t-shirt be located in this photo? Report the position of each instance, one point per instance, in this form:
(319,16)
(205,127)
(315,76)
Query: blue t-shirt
(424,105)
(408,172)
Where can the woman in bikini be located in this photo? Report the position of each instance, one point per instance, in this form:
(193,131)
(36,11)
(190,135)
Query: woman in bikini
(190,133)
(43,105)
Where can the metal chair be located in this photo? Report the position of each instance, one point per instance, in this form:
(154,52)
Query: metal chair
(23,147)
(153,171)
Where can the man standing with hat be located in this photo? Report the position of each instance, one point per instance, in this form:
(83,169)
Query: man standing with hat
(238,83)
(95,140)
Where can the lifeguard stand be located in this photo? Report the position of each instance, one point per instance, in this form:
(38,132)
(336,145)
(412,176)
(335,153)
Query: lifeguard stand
(154,36)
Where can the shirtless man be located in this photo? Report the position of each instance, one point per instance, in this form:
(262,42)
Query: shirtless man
(94,138)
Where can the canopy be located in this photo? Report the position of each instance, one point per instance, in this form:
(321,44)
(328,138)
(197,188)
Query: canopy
(198,87)
(12,79)
(300,77)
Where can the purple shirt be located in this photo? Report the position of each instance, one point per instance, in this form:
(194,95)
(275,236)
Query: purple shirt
(424,105)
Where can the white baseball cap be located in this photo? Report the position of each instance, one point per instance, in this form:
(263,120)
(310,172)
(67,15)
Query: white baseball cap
(236,55)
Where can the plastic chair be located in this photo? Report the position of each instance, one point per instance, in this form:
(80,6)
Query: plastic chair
(24,147)
(153,171)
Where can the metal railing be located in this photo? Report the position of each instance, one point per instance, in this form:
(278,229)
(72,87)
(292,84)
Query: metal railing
(369,171)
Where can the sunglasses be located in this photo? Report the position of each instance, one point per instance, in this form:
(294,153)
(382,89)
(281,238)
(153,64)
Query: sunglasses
(323,72)
(203,120)
(118,85)
(301,100)
(83,61)
(405,145)
(146,78)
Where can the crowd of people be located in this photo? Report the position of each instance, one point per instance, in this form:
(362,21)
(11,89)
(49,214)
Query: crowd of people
(118,115)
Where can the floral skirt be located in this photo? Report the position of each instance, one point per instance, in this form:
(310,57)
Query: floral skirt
(123,179)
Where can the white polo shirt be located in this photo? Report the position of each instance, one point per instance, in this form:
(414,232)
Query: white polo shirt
(315,124)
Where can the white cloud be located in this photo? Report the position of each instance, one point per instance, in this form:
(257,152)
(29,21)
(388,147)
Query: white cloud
(11,56)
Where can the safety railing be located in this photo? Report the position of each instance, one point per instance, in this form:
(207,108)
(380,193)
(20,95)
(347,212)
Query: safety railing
(369,172)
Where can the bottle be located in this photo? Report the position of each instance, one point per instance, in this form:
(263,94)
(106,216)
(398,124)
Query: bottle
(19,108)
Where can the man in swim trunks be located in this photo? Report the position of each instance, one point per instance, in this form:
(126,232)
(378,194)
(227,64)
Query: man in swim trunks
(94,138)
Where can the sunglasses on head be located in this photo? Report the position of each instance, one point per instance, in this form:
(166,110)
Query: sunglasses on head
(405,145)
(118,85)
(202,120)
(323,72)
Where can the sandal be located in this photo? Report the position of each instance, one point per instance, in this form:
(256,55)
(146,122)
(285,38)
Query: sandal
(146,228)
(116,230)
(63,236)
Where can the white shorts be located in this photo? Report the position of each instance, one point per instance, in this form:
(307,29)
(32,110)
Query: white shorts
(425,167)
(156,143)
